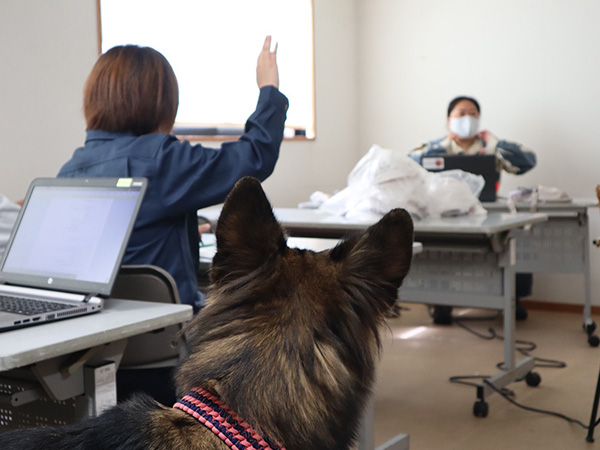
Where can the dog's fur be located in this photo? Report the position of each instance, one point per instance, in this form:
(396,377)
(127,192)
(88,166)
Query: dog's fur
(288,339)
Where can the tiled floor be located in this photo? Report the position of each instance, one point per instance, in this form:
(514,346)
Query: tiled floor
(413,393)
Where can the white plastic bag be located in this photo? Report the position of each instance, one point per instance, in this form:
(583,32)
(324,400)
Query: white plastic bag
(380,165)
(385,179)
(382,180)
(475,182)
(451,196)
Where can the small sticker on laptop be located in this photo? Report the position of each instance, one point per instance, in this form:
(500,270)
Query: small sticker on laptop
(124,182)
(433,163)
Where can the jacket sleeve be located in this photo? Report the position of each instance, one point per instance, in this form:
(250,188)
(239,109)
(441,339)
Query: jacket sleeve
(417,153)
(194,176)
(520,158)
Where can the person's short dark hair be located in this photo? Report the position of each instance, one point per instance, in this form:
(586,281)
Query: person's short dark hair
(131,89)
(458,99)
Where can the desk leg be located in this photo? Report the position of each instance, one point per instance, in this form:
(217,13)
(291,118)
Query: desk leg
(587,307)
(511,371)
(61,382)
(64,378)
(60,390)
(588,323)
(399,442)
(100,384)
(366,433)
(444,275)
(509,320)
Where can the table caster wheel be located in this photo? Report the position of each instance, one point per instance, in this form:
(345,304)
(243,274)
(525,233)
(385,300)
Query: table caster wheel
(593,341)
(589,328)
(533,379)
(480,409)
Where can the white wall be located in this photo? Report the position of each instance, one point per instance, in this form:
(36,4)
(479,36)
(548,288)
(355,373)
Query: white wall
(533,64)
(51,46)
(324,164)
(47,50)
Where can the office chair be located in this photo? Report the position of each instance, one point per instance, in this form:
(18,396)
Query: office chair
(149,359)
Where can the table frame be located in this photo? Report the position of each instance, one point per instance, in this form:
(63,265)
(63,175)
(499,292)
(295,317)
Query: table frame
(486,243)
(560,245)
(49,372)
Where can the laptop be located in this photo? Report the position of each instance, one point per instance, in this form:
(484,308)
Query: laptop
(66,248)
(484,165)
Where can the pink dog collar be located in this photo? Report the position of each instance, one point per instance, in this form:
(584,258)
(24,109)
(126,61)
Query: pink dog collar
(222,421)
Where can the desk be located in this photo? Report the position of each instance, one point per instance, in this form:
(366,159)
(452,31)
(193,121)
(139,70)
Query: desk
(560,245)
(466,261)
(321,224)
(209,247)
(208,250)
(44,368)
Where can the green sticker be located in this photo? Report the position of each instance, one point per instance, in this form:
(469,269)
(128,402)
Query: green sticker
(124,182)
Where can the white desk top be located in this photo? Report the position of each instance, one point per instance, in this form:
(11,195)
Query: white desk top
(573,205)
(207,252)
(118,320)
(316,219)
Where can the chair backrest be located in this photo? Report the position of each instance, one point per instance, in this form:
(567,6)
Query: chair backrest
(160,348)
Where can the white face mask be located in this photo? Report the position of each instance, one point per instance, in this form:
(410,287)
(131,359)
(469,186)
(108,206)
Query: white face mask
(466,126)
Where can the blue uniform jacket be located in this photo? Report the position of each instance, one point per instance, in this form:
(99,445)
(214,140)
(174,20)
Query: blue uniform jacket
(182,178)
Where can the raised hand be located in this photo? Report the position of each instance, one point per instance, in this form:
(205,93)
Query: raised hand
(266,66)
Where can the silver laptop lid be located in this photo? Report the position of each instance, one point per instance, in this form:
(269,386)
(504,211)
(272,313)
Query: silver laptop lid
(71,233)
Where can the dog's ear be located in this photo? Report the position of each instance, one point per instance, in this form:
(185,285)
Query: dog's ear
(247,231)
(383,252)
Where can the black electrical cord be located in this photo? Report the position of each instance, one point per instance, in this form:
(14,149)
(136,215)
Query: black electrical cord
(524,349)
(507,393)
(541,411)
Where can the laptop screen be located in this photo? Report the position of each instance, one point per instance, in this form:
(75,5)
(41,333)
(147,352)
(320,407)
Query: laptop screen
(71,233)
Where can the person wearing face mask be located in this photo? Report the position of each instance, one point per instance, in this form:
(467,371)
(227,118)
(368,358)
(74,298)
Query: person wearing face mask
(464,137)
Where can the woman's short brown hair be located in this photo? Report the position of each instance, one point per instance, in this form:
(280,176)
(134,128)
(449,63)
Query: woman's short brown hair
(131,89)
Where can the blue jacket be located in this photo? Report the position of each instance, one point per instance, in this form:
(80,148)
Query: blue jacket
(182,179)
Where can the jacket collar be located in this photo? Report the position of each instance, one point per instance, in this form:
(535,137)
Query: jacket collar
(99,135)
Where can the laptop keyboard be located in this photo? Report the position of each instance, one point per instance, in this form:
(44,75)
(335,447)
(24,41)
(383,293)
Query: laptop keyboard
(29,307)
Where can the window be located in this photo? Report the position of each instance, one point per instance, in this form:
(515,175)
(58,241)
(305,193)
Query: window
(213,46)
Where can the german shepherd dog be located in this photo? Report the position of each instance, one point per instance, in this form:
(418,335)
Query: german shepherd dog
(282,355)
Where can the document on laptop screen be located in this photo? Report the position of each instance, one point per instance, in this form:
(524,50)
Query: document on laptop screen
(69,233)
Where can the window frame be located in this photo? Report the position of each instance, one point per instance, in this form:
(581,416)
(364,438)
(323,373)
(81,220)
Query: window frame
(229,132)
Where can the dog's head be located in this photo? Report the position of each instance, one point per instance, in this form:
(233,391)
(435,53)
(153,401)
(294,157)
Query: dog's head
(288,331)
(251,241)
